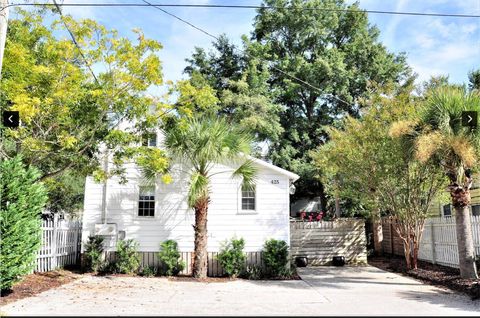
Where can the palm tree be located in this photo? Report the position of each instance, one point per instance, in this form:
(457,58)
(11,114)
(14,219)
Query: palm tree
(457,148)
(200,145)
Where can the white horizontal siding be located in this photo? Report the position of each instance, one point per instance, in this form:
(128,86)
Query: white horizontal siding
(173,219)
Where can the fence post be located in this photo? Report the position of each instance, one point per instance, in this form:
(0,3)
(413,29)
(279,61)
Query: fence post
(392,245)
(54,242)
(75,234)
(432,238)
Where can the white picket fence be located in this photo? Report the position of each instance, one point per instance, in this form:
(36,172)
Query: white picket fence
(439,241)
(61,240)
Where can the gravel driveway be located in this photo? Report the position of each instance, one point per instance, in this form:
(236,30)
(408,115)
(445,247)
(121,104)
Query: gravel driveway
(323,291)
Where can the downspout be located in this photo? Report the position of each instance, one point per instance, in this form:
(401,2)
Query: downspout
(104,192)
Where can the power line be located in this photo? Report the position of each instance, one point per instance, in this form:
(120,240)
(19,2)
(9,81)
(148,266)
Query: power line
(75,41)
(273,66)
(219,6)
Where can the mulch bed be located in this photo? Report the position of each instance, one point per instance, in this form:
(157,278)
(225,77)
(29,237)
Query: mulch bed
(36,283)
(295,276)
(431,274)
(206,280)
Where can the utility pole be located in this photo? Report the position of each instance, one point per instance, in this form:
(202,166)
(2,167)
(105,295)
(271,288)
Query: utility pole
(3,29)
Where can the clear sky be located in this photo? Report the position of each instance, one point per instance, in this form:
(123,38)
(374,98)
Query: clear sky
(434,45)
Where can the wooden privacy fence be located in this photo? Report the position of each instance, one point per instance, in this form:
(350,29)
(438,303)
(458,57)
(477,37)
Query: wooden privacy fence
(61,240)
(213,264)
(439,240)
(320,241)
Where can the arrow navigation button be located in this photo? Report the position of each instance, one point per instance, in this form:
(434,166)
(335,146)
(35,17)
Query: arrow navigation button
(11,119)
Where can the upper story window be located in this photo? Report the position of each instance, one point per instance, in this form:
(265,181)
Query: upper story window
(150,139)
(146,201)
(248,198)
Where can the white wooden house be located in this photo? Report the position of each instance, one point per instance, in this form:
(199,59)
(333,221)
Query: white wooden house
(153,215)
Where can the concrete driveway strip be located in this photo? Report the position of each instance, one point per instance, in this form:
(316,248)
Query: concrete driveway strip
(323,291)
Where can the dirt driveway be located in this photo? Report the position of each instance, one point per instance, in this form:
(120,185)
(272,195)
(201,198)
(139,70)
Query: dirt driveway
(323,291)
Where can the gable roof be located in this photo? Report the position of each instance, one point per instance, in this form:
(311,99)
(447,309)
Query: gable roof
(293,176)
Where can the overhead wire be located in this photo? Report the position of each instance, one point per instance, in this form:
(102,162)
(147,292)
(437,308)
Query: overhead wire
(273,66)
(224,6)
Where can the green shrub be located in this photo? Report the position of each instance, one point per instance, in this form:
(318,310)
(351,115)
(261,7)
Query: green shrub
(253,272)
(275,256)
(93,254)
(169,256)
(127,258)
(232,258)
(22,200)
(148,271)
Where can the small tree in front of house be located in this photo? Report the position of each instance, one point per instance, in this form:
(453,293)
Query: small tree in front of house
(443,137)
(374,160)
(200,144)
(22,200)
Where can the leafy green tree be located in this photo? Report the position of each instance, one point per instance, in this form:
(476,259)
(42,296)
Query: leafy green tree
(65,112)
(69,115)
(439,135)
(370,159)
(200,145)
(240,79)
(65,193)
(338,54)
(21,202)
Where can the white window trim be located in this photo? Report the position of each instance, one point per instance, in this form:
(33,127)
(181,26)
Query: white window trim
(239,202)
(137,202)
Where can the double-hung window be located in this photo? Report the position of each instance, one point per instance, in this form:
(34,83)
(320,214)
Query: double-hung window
(248,198)
(146,201)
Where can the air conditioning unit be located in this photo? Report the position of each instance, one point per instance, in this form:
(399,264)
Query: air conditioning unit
(106,229)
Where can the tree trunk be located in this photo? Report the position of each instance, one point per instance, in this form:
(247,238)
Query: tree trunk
(377,235)
(200,249)
(466,251)
(323,197)
(408,254)
(415,254)
(338,213)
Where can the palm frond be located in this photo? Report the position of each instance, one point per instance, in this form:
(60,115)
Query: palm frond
(198,189)
(427,145)
(247,171)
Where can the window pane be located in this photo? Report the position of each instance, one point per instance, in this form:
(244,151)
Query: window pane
(248,204)
(152,140)
(146,201)
(248,198)
(475,210)
(447,210)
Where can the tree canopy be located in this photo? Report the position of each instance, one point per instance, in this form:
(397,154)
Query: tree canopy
(370,161)
(316,65)
(72,101)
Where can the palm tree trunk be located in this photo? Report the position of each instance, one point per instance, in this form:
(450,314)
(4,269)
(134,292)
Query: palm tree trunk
(200,249)
(466,250)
